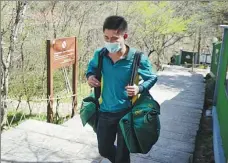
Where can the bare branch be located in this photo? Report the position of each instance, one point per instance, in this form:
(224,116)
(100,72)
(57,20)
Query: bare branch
(20,10)
(62,11)
(82,20)
(176,40)
(2,60)
(53,22)
(5,30)
(117,6)
(3,6)
(163,44)
(69,17)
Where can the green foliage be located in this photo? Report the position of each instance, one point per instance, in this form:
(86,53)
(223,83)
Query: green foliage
(15,118)
(59,83)
(158,18)
(27,88)
(157,25)
(152,26)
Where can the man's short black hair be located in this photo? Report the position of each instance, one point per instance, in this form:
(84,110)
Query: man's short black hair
(115,23)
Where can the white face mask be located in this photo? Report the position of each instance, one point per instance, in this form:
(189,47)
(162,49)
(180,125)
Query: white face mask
(113,47)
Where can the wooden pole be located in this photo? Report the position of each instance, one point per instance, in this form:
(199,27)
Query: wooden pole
(74,83)
(49,83)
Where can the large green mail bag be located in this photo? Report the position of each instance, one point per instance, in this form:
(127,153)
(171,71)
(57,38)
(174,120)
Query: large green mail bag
(141,126)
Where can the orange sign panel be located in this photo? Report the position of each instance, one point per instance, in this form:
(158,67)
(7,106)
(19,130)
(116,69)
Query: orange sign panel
(62,52)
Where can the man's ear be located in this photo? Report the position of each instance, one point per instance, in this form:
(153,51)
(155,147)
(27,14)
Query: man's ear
(125,36)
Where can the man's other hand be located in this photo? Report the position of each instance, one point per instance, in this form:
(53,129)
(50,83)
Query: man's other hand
(132,90)
(93,82)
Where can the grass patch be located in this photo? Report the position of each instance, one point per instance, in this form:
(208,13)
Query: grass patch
(202,66)
(15,118)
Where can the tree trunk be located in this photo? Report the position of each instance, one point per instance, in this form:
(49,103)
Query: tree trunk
(20,13)
(117,7)
(199,45)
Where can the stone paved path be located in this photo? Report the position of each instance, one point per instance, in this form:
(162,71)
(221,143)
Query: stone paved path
(180,94)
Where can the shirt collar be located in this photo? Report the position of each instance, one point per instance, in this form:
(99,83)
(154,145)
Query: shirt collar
(129,54)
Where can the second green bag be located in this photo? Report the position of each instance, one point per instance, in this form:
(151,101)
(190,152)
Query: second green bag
(141,126)
(90,104)
(88,112)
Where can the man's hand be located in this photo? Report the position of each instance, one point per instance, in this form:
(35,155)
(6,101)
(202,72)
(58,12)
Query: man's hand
(93,82)
(132,90)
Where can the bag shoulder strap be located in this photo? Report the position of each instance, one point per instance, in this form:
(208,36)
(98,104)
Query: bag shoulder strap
(97,90)
(135,66)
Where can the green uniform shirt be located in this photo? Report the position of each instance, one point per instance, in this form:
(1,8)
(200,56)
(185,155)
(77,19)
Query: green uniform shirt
(116,76)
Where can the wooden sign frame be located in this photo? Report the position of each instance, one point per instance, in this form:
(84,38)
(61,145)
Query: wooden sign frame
(61,52)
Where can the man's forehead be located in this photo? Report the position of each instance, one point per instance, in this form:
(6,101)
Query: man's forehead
(113,32)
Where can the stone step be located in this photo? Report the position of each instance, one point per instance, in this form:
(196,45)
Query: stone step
(40,141)
(169,129)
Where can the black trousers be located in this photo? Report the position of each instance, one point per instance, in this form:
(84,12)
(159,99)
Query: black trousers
(107,129)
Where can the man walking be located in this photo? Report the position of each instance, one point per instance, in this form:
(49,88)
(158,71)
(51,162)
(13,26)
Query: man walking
(116,73)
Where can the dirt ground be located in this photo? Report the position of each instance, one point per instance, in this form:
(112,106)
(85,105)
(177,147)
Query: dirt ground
(204,142)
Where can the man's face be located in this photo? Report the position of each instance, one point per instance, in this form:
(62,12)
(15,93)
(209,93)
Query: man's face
(113,36)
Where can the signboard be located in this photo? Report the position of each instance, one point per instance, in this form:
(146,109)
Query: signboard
(61,53)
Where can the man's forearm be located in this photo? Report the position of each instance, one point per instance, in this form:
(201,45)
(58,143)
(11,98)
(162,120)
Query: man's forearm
(148,84)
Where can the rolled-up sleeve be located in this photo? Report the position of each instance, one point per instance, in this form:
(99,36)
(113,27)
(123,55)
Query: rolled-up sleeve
(145,71)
